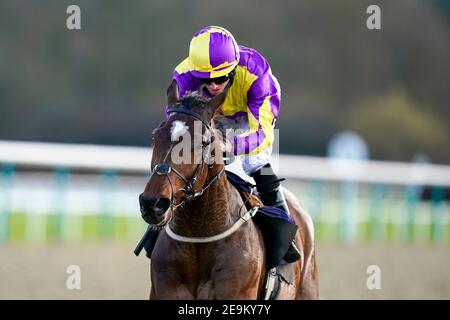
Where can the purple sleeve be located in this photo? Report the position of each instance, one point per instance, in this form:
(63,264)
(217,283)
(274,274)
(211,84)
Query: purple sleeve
(265,87)
(186,82)
(246,144)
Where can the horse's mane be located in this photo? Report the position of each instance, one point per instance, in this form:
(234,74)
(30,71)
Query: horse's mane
(193,100)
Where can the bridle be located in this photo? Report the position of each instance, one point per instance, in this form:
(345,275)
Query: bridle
(163,169)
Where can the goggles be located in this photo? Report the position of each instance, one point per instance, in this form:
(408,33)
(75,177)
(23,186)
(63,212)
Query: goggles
(218,80)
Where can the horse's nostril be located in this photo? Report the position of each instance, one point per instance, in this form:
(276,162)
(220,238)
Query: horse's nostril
(162,204)
(153,205)
(146,202)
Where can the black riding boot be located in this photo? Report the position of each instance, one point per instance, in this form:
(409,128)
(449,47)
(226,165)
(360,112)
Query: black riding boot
(269,189)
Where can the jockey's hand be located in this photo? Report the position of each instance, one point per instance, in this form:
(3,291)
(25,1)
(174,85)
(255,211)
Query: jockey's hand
(226,146)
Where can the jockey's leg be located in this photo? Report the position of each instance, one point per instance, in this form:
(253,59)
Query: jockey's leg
(269,189)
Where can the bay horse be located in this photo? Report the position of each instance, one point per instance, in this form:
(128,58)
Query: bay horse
(195,201)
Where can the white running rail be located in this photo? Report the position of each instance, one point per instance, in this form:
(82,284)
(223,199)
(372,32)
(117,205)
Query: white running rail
(137,160)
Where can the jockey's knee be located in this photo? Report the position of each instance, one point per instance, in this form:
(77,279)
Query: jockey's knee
(266,180)
(268,186)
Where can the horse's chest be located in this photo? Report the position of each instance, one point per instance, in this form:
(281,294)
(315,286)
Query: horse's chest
(222,282)
(229,269)
(218,277)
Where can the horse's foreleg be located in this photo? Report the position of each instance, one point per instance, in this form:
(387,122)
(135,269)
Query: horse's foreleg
(180,293)
(152,294)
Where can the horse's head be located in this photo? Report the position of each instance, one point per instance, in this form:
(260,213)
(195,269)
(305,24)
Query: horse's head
(183,153)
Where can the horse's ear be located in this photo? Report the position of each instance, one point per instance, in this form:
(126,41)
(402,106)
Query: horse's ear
(173,96)
(162,124)
(217,101)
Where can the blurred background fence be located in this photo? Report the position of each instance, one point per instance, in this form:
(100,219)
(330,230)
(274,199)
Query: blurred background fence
(65,193)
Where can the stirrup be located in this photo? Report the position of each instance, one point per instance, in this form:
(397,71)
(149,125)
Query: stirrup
(272,284)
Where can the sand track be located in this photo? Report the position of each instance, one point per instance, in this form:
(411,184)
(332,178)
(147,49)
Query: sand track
(113,272)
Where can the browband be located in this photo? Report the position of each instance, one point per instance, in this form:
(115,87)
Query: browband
(191,113)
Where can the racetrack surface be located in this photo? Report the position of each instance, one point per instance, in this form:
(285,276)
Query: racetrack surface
(111,271)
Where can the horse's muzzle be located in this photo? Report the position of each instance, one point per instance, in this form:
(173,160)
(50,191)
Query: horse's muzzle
(153,209)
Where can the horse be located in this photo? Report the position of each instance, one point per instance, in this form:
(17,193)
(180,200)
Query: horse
(195,201)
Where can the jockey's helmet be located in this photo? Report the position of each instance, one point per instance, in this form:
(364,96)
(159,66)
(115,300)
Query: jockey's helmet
(213,53)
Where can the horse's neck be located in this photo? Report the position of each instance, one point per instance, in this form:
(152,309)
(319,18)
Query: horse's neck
(212,213)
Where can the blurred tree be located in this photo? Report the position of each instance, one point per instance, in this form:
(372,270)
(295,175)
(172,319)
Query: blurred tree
(106,82)
(397,128)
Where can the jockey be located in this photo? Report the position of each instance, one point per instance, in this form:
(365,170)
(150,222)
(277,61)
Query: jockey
(252,104)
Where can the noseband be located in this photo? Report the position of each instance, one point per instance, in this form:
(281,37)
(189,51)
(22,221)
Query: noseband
(163,169)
